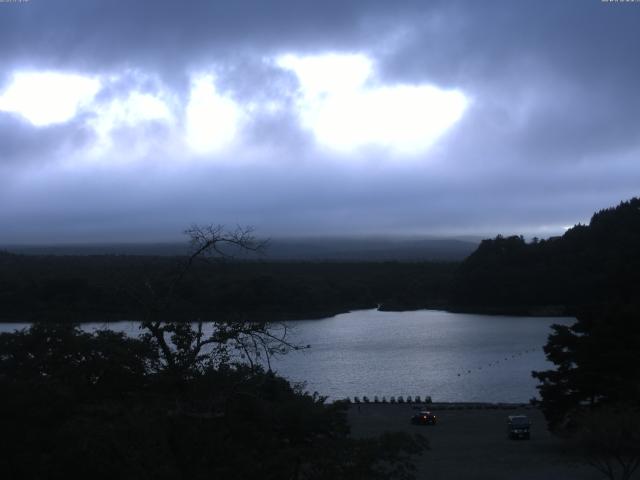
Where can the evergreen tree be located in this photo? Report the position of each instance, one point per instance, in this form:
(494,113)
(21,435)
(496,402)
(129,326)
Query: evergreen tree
(596,362)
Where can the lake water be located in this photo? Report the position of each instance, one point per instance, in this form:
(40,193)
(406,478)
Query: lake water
(449,356)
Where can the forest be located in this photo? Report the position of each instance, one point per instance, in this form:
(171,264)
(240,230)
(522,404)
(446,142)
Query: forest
(103,287)
(589,265)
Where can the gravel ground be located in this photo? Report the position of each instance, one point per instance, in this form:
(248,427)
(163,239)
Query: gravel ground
(472,444)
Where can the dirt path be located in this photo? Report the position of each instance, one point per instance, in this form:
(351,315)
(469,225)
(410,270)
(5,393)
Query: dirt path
(472,444)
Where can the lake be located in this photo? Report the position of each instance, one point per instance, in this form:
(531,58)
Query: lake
(449,356)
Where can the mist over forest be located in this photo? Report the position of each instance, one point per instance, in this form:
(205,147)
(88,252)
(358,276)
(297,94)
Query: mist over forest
(589,265)
(288,249)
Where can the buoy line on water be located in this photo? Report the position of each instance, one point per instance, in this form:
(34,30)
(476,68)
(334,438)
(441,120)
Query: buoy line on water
(498,362)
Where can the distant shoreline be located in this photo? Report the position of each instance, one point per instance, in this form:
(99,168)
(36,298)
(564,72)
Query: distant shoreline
(316,315)
(521,311)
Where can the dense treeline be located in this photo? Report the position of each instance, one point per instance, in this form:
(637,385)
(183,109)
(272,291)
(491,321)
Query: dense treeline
(103,406)
(589,265)
(81,288)
(596,362)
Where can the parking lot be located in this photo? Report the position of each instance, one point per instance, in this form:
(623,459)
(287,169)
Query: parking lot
(472,443)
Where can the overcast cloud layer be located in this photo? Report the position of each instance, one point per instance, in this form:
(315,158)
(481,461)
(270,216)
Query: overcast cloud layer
(129,121)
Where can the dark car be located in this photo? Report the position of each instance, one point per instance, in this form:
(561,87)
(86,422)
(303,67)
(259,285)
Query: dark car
(518,426)
(424,418)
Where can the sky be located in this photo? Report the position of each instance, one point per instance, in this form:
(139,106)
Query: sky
(130,121)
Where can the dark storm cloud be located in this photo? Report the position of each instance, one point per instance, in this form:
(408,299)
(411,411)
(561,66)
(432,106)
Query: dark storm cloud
(98,34)
(462,42)
(21,143)
(551,133)
(573,63)
(454,42)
